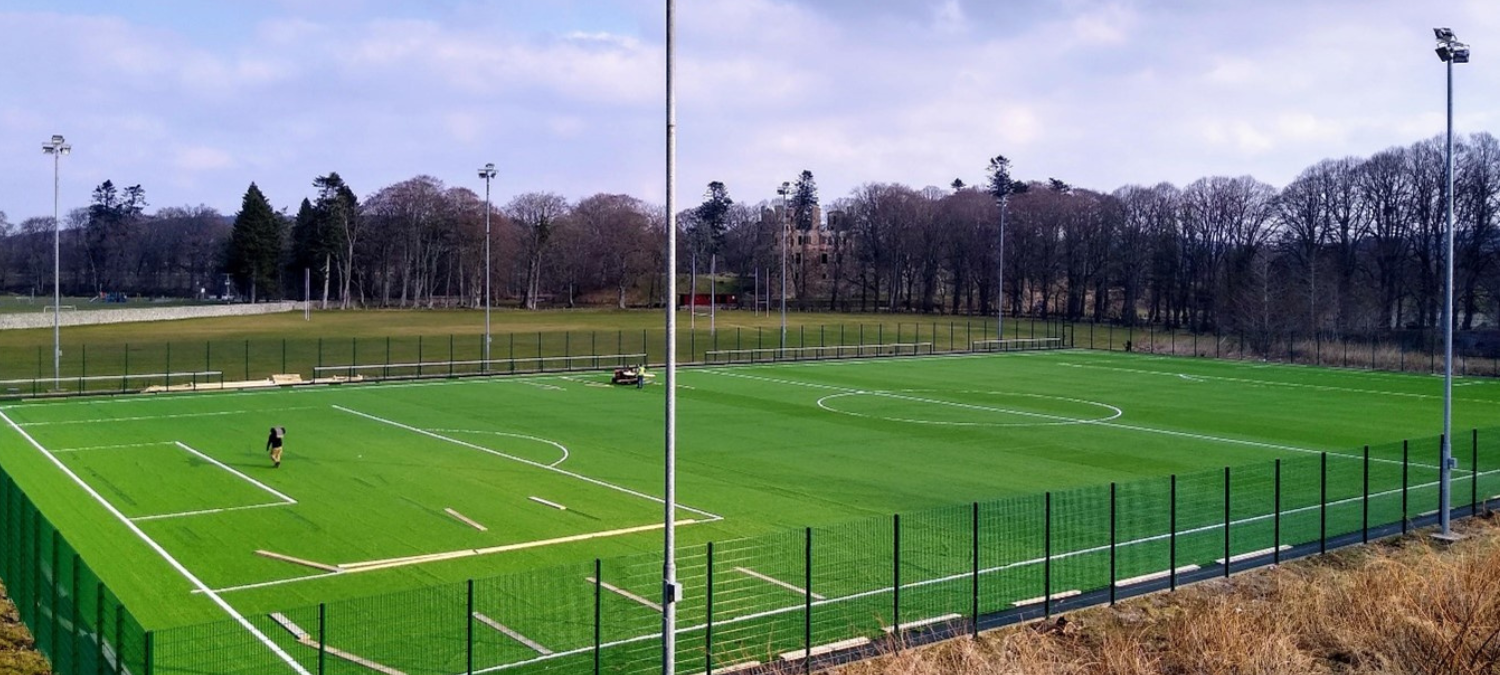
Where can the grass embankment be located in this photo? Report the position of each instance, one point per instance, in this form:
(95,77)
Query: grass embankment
(1398,607)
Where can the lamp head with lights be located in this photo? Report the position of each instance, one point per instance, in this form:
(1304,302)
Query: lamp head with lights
(1449,49)
(57,146)
(488,171)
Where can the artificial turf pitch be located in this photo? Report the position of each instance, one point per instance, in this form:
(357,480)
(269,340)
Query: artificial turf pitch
(562,469)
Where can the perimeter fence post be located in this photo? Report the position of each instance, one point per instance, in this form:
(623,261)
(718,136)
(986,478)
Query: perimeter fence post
(1405,476)
(147,648)
(73,618)
(807,601)
(974,589)
(1227,520)
(99,625)
(896,578)
(246,363)
(119,639)
(1172,536)
(1113,540)
(56,593)
(469,631)
(598,634)
(320,354)
(1046,554)
(125,381)
(1322,503)
(322,634)
(1474,472)
(1365,501)
(708,611)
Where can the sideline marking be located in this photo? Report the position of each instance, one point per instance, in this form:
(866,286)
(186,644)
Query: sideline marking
(239,618)
(111,447)
(140,418)
(528,462)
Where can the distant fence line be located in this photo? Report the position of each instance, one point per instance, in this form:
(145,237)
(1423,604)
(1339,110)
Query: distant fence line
(798,599)
(81,316)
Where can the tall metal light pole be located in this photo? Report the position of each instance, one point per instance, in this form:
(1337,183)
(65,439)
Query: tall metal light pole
(57,147)
(1451,51)
(785,221)
(671,591)
(488,174)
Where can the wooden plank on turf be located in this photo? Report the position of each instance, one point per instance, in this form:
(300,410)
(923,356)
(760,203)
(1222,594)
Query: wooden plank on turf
(466,520)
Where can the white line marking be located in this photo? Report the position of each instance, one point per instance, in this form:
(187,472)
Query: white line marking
(1100,423)
(205,512)
(555,444)
(624,593)
(237,472)
(1271,383)
(110,447)
(528,462)
(773,580)
(141,418)
(512,634)
(1060,420)
(239,618)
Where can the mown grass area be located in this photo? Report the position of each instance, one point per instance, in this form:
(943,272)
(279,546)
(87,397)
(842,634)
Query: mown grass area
(1405,606)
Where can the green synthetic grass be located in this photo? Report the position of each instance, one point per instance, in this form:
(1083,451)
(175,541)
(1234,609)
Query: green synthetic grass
(762,449)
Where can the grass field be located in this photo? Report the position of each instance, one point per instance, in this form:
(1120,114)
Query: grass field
(372,471)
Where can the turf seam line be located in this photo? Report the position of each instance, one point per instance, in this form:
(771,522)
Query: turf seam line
(528,462)
(239,618)
(111,447)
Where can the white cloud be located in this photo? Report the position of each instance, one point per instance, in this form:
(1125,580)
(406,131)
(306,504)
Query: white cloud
(949,18)
(202,158)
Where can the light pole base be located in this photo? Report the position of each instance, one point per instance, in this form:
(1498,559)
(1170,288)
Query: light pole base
(1448,539)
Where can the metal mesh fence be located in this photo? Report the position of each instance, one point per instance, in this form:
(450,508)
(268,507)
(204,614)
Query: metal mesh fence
(127,367)
(871,584)
(76,622)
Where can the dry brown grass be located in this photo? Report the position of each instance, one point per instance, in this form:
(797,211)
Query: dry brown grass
(1403,607)
(17,655)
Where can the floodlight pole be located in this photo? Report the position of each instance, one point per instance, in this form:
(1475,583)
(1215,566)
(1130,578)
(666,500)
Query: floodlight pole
(670,589)
(785,222)
(488,174)
(1000,301)
(57,147)
(1449,50)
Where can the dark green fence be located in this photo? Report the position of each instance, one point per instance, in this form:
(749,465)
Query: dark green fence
(869,584)
(75,619)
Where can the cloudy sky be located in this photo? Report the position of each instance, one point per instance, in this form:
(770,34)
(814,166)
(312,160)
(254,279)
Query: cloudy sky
(194,99)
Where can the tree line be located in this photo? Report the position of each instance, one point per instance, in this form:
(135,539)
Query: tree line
(1351,245)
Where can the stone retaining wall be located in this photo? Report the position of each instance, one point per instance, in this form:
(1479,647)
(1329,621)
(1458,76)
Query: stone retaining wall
(43,319)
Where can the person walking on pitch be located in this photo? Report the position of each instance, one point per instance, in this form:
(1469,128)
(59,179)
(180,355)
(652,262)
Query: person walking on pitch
(273,445)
